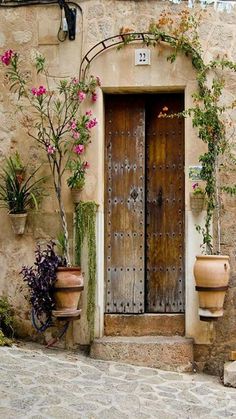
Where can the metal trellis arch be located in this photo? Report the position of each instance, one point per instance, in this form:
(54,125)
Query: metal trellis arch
(111,42)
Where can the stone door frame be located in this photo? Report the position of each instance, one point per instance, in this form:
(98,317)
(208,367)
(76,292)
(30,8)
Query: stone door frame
(119,75)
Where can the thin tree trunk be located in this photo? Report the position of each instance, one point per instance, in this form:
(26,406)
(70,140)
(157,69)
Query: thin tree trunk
(64,224)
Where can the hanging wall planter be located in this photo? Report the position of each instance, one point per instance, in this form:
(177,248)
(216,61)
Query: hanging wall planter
(211,274)
(18,222)
(75,194)
(67,291)
(197,202)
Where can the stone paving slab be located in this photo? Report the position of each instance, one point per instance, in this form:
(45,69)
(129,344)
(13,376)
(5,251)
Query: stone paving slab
(39,383)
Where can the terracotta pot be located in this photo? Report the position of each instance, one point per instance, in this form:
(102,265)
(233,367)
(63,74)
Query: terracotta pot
(68,288)
(18,222)
(211,274)
(197,202)
(75,194)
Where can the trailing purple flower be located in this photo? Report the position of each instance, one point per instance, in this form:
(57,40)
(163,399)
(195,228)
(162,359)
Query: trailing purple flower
(41,278)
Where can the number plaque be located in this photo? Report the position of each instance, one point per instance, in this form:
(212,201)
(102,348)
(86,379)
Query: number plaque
(142,56)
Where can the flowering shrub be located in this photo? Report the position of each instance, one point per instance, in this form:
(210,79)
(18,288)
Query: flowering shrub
(53,119)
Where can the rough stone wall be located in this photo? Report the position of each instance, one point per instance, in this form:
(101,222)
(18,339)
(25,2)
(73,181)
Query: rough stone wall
(28,28)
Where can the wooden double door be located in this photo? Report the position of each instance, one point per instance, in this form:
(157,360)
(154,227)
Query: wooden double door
(144,204)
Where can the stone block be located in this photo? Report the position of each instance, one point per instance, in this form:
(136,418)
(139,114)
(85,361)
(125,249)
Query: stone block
(168,353)
(230,374)
(22,37)
(144,325)
(47,32)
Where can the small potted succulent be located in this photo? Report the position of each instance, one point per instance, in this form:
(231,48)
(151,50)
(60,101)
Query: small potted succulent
(197,198)
(18,193)
(76,181)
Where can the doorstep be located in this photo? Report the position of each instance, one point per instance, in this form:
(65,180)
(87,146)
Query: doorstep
(171,353)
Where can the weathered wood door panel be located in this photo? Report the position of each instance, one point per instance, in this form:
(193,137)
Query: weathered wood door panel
(125,204)
(165,205)
(144,204)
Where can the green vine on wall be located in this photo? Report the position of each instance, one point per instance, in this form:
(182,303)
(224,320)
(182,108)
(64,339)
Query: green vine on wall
(181,33)
(85,230)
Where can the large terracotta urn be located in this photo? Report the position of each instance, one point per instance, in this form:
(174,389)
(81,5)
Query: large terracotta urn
(211,274)
(68,288)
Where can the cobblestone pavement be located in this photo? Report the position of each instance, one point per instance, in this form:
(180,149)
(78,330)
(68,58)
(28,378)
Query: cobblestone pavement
(40,383)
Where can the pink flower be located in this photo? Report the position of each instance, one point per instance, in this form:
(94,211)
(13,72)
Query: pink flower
(34,91)
(86,165)
(92,123)
(7,56)
(76,135)
(38,92)
(75,81)
(195,185)
(51,149)
(42,90)
(89,113)
(94,97)
(81,96)
(98,81)
(73,124)
(78,149)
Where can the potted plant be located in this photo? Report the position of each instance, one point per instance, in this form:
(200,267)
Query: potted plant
(42,278)
(197,198)
(18,194)
(54,121)
(76,181)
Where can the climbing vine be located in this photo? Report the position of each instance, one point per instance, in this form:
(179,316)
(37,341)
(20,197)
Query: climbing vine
(181,33)
(85,229)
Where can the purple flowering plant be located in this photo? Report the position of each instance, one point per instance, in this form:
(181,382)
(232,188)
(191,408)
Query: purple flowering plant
(197,189)
(53,119)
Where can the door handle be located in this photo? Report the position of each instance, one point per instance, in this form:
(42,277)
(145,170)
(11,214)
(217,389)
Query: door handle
(159,197)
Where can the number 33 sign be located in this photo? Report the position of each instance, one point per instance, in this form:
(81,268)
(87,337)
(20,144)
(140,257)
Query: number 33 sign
(142,56)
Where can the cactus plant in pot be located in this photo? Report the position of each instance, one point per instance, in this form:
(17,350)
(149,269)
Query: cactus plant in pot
(54,121)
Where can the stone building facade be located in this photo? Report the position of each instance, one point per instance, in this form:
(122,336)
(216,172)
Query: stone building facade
(29,28)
